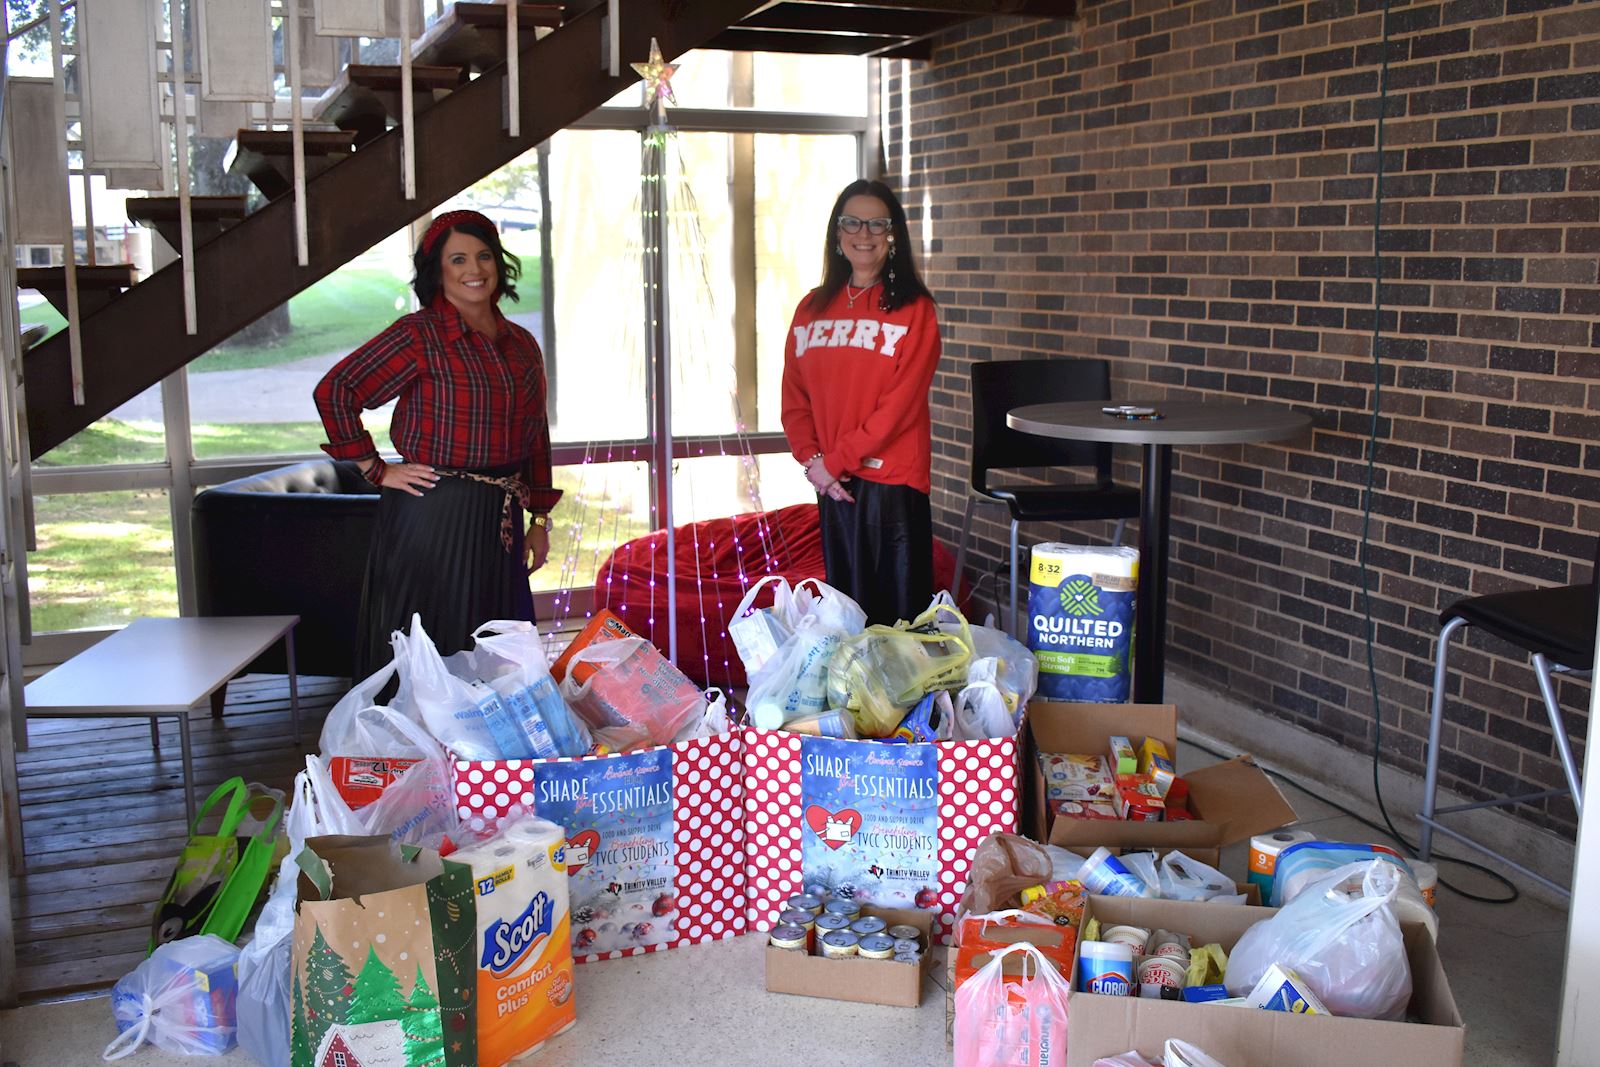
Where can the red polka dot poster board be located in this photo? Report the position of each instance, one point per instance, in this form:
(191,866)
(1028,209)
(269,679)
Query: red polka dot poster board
(708,833)
(975,795)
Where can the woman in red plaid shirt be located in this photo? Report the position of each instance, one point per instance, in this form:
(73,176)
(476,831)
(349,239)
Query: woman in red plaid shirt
(471,428)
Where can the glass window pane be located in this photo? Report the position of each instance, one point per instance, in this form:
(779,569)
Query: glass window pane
(797,178)
(833,85)
(132,433)
(700,285)
(103,559)
(598,338)
(604,504)
(702,79)
(251,395)
(510,197)
(717,485)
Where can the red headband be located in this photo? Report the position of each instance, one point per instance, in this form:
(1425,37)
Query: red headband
(443,224)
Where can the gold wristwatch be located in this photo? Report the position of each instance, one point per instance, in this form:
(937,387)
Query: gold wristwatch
(541,520)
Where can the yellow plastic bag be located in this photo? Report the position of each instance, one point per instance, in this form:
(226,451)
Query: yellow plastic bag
(880,674)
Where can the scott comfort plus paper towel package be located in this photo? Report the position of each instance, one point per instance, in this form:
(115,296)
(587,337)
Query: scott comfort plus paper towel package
(524,939)
(1080,621)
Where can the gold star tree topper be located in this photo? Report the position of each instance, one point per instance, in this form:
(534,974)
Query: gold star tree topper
(657,74)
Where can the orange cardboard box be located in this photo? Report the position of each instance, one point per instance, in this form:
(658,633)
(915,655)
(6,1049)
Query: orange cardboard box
(604,626)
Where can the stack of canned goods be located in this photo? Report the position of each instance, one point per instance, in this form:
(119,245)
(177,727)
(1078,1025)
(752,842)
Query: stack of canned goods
(835,929)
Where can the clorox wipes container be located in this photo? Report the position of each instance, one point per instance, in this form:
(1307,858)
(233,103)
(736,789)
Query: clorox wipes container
(1080,621)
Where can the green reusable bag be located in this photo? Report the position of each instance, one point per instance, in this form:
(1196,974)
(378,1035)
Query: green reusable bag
(219,876)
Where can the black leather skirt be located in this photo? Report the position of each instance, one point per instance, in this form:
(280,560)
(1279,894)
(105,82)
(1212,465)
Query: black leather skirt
(440,555)
(879,549)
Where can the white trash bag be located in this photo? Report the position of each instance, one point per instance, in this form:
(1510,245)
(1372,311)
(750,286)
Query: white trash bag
(166,1002)
(1341,937)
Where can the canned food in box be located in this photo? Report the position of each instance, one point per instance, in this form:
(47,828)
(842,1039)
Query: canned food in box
(790,937)
(868,924)
(877,947)
(848,908)
(905,932)
(828,921)
(804,902)
(840,944)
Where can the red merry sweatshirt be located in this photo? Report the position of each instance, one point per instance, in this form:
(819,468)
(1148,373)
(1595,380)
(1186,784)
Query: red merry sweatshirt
(855,388)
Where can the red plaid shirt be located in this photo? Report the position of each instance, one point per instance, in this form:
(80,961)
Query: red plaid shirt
(465,401)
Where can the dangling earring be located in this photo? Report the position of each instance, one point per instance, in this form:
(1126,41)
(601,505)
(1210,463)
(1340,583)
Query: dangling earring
(838,249)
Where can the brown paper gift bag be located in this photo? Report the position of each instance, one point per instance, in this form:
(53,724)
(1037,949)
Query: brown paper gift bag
(384,973)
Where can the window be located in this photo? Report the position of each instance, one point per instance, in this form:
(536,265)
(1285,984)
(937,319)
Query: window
(339,1060)
(103,559)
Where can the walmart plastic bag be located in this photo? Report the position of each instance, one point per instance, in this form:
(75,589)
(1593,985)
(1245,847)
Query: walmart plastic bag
(758,633)
(343,734)
(467,717)
(816,599)
(981,708)
(1341,937)
(417,808)
(182,999)
(1185,878)
(508,656)
(1008,1014)
(794,682)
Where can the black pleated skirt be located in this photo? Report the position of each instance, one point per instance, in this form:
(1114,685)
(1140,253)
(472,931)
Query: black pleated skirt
(878,549)
(440,555)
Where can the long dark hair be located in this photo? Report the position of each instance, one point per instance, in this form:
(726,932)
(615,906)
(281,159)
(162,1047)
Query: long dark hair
(904,286)
(429,263)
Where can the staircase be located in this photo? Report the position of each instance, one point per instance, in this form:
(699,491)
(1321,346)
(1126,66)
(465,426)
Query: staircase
(133,340)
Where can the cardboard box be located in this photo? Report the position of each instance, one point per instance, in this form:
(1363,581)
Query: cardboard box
(1250,1037)
(1230,801)
(898,985)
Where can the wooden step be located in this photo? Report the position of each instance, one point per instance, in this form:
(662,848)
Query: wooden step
(208,216)
(473,35)
(266,157)
(97,285)
(366,99)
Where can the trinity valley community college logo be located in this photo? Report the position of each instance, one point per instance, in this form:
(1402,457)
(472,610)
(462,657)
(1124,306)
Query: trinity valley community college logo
(1080,597)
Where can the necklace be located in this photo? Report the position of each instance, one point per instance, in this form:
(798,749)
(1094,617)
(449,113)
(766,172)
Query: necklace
(851,296)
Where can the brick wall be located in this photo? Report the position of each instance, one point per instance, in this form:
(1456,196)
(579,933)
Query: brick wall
(1187,190)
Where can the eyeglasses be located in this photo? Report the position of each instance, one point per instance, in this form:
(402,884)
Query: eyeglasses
(876,227)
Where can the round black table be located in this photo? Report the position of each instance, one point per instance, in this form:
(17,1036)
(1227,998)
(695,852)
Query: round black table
(1184,423)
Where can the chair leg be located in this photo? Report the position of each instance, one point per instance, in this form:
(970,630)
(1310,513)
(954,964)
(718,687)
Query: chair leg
(1558,726)
(1116,538)
(961,548)
(1014,552)
(1430,783)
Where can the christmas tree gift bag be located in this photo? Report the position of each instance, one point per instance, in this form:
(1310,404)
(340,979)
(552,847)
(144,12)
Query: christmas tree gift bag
(384,971)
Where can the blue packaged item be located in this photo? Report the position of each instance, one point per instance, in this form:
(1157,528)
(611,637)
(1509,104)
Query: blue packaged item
(1301,864)
(508,735)
(183,999)
(921,724)
(1204,994)
(1105,967)
(1080,621)
(1108,876)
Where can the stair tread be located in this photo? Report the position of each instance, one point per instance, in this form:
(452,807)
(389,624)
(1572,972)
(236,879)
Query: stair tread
(99,276)
(387,77)
(165,208)
(491,15)
(281,142)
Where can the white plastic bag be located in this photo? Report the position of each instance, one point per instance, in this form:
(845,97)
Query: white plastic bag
(1003,1020)
(816,599)
(1131,1058)
(508,655)
(1186,878)
(758,633)
(795,681)
(342,732)
(632,696)
(264,968)
(165,1001)
(469,718)
(1182,1054)
(980,708)
(1341,937)
(418,808)
(714,723)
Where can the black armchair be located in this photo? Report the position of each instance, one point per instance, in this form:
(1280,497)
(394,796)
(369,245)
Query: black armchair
(290,541)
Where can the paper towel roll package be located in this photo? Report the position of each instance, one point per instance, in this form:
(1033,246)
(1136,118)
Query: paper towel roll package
(524,939)
(1080,621)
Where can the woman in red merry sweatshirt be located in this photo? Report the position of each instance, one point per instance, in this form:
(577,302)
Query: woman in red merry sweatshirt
(856,372)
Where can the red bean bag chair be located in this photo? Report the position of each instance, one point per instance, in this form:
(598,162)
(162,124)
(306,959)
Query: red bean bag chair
(718,560)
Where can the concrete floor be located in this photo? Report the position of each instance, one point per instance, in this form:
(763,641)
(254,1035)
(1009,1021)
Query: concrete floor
(707,1004)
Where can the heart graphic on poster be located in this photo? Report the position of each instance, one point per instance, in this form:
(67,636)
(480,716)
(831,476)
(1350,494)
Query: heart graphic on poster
(834,828)
(581,847)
